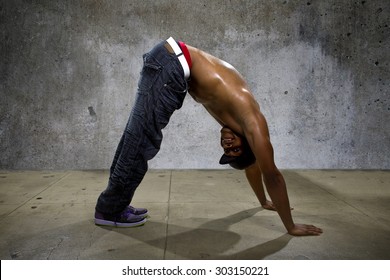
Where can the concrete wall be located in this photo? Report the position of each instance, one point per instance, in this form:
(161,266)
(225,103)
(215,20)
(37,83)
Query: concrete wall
(319,69)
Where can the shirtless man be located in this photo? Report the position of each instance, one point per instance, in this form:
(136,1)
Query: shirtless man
(170,70)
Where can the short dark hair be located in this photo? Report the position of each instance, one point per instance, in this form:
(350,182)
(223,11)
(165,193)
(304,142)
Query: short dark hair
(246,159)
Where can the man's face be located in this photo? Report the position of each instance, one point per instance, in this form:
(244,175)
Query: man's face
(231,142)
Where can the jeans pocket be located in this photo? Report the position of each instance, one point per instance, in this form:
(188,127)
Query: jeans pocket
(169,101)
(176,83)
(150,72)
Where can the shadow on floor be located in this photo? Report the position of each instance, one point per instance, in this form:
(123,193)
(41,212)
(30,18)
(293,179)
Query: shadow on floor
(211,240)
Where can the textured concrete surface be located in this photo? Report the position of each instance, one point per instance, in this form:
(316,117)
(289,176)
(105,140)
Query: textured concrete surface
(319,69)
(198,214)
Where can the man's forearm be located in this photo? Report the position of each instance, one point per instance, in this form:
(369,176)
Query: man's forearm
(276,187)
(253,175)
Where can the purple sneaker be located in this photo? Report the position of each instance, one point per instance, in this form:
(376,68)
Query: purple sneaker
(125,219)
(142,212)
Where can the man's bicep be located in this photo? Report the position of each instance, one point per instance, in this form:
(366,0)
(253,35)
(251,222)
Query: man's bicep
(258,138)
(264,154)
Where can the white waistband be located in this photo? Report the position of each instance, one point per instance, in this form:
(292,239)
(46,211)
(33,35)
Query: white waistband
(180,56)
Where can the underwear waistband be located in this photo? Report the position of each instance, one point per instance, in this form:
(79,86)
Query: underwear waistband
(182,54)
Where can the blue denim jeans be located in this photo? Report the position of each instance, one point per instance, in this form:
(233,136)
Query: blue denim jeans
(161,90)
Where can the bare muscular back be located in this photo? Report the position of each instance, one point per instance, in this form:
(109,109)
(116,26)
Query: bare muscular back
(221,89)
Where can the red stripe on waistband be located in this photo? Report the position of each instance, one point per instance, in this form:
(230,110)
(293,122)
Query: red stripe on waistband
(186,53)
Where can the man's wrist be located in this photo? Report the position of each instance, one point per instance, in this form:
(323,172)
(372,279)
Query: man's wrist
(290,228)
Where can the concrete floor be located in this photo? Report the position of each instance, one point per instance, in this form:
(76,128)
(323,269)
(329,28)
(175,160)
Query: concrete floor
(195,215)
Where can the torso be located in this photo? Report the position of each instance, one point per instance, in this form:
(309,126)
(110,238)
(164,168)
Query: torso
(221,89)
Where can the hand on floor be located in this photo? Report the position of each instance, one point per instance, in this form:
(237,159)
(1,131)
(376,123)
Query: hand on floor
(268,205)
(303,230)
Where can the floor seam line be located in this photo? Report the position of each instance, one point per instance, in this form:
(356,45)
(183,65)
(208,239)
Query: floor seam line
(343,200)
(49,186)
(168,208)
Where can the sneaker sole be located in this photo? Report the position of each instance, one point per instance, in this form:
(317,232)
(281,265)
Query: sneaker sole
(144,215)
(101,222)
